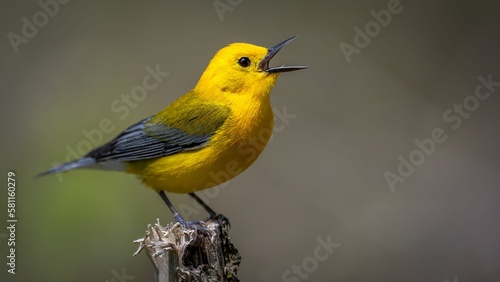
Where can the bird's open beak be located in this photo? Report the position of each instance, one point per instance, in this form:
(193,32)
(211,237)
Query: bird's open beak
(264,64)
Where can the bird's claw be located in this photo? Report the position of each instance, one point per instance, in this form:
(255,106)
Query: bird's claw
(220,218)
(195,225)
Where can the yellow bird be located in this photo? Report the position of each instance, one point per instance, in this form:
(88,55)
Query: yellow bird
(204,132)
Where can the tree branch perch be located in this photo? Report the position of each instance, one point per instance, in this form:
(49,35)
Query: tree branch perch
(202,253)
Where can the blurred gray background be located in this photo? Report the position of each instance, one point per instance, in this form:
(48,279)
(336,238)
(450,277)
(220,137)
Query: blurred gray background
(322,176)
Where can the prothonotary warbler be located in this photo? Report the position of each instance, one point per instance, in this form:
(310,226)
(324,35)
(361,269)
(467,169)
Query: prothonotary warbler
(203,132)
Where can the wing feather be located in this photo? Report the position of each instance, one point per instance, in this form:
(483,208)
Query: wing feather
(148,139)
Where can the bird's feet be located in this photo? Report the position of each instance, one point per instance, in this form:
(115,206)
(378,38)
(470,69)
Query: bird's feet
(220,218)
(195,225)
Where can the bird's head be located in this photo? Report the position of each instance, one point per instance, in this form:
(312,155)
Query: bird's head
(243,69)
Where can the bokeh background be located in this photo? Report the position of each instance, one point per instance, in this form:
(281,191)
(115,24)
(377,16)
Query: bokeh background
(321,177)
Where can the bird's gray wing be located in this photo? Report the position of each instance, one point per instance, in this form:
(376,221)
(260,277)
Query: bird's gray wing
(147,140)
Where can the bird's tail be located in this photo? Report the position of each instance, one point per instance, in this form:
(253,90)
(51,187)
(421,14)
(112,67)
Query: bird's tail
(83,162)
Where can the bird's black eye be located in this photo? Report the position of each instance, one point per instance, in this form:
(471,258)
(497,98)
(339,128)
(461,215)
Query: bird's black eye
(244,62)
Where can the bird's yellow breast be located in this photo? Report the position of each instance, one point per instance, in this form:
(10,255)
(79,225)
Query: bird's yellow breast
(231,150)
